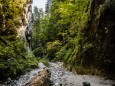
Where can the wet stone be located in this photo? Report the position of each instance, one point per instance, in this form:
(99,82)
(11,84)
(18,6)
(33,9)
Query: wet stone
(86,83)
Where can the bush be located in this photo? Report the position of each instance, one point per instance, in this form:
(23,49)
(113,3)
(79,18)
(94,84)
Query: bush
(12,61)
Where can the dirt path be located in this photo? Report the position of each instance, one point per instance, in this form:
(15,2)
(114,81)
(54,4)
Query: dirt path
(60,77)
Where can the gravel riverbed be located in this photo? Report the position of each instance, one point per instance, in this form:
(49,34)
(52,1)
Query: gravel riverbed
(61,77)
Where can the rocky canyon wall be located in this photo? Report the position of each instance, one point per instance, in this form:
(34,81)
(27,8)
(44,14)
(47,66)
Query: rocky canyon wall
(25,30)
(99,37)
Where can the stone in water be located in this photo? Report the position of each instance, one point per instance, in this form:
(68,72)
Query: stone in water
(86,83)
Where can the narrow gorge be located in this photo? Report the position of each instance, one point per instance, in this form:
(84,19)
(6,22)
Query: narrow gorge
(70,43)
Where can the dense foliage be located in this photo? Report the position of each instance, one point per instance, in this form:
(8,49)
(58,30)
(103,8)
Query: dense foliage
(62,29)
(14,58)
(76,32)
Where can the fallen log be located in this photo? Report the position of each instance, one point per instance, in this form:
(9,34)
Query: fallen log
(42,79)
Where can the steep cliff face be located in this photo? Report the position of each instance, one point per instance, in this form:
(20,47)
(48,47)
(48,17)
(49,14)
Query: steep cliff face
(15,17)
(25,30)
(101,36)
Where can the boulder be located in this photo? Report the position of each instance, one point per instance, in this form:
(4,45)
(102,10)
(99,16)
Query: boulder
(42,79)
(86,83)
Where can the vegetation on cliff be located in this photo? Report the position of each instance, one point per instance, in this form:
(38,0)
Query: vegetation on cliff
(80,33)
(14,58)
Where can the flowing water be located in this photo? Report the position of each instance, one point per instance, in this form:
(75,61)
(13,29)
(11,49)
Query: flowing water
(22,80)
(61,77)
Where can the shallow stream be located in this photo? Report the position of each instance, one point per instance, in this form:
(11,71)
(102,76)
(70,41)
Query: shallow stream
(61,77)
